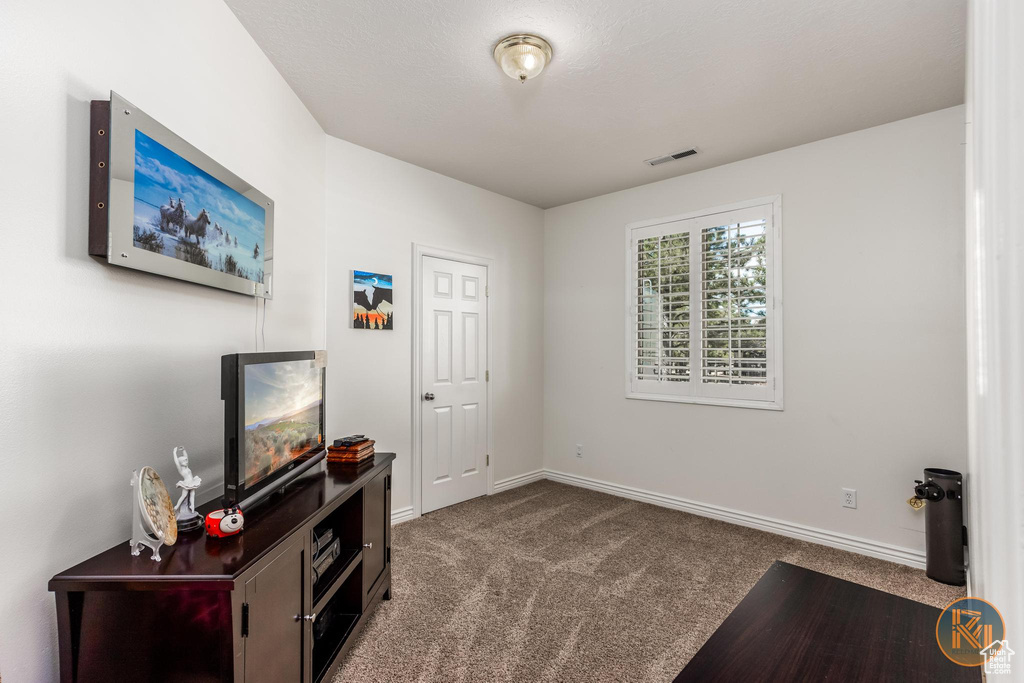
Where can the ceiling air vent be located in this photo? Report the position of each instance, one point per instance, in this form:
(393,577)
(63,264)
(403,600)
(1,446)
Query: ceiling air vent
(669,157)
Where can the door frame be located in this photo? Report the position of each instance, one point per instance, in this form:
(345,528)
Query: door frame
(994,255)
(418,252)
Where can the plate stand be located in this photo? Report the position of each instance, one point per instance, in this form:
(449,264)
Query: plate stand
(141,536)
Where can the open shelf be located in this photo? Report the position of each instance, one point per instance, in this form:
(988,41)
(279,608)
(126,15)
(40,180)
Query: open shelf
(335,577)
(338,612)
(337,633)
(344,527)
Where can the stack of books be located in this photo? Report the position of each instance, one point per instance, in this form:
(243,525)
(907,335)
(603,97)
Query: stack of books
(351,450)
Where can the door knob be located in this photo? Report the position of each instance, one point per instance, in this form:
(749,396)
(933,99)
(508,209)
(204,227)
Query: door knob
(428,396)
(368,545)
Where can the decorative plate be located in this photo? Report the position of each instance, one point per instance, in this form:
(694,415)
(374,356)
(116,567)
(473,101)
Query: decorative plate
(155,504)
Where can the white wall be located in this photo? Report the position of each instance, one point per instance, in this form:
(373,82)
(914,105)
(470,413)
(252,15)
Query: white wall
(103,370)
(377,207)
(873,278)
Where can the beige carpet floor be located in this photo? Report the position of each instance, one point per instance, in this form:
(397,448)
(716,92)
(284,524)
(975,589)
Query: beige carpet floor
(550,582)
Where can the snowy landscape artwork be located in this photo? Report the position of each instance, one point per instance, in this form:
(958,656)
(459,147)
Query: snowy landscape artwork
(183,212)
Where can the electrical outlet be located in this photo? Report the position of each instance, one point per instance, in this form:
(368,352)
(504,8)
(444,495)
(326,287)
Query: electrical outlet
(579,450)
(850,498)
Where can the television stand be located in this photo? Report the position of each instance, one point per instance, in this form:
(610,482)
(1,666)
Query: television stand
(242,609)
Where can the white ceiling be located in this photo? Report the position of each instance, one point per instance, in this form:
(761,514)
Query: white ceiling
(630,80)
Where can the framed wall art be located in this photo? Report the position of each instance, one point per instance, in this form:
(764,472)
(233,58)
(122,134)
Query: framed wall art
(160,205)
(372,303)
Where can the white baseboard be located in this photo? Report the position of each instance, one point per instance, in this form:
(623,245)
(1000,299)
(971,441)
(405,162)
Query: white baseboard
(407,513)
(402,515)
(518,480)
(863,546)
(854,544)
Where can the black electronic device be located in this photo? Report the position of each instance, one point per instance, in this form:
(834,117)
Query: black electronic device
(945,534)
(322,541)
(322,621)
(349,440)
(327,557)
(273,421)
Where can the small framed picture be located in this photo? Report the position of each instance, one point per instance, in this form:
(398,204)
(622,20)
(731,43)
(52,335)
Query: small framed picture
(372,304)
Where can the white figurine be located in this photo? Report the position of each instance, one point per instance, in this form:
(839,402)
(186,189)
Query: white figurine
(185,509)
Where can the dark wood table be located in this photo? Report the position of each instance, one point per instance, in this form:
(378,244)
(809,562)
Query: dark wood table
(799,625)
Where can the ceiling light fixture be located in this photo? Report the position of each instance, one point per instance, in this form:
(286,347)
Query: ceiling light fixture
(522,56)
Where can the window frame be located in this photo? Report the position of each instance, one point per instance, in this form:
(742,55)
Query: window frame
(771,396)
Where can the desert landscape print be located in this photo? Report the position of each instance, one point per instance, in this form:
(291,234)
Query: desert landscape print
(183,212)
(282,415)
(372,303)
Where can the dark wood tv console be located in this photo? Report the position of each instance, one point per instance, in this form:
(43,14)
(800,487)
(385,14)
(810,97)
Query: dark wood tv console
(238,609)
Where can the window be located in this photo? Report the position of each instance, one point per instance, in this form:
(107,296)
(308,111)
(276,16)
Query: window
(704,307)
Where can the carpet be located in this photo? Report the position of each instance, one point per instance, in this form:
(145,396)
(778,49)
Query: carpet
(549,582)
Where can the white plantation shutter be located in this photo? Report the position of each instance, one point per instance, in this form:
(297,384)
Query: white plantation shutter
(703,313)
(663,308)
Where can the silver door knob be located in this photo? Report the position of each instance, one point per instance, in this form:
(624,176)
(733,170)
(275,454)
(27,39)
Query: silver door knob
(428,396)
(368,545)
(310,617)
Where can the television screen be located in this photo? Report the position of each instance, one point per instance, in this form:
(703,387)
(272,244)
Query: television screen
(283,403)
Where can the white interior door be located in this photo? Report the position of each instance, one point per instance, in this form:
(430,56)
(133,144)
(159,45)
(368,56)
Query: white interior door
(453,389)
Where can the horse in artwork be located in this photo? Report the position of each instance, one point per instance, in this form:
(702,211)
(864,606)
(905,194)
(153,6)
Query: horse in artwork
(196,226)
(172,215)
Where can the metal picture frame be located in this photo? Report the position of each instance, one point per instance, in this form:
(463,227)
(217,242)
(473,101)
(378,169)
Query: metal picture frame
(115,144)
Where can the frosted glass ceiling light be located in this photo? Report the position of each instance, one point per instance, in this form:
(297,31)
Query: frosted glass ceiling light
(522,56)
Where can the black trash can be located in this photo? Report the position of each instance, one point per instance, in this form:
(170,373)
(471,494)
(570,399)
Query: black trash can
(944,524)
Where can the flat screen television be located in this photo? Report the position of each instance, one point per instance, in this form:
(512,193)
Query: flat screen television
(273,420)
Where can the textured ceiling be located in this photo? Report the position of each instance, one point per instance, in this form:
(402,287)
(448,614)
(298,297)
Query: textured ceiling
(630,80)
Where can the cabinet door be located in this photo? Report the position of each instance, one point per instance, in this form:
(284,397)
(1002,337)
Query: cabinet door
(375,531)
(274,647)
